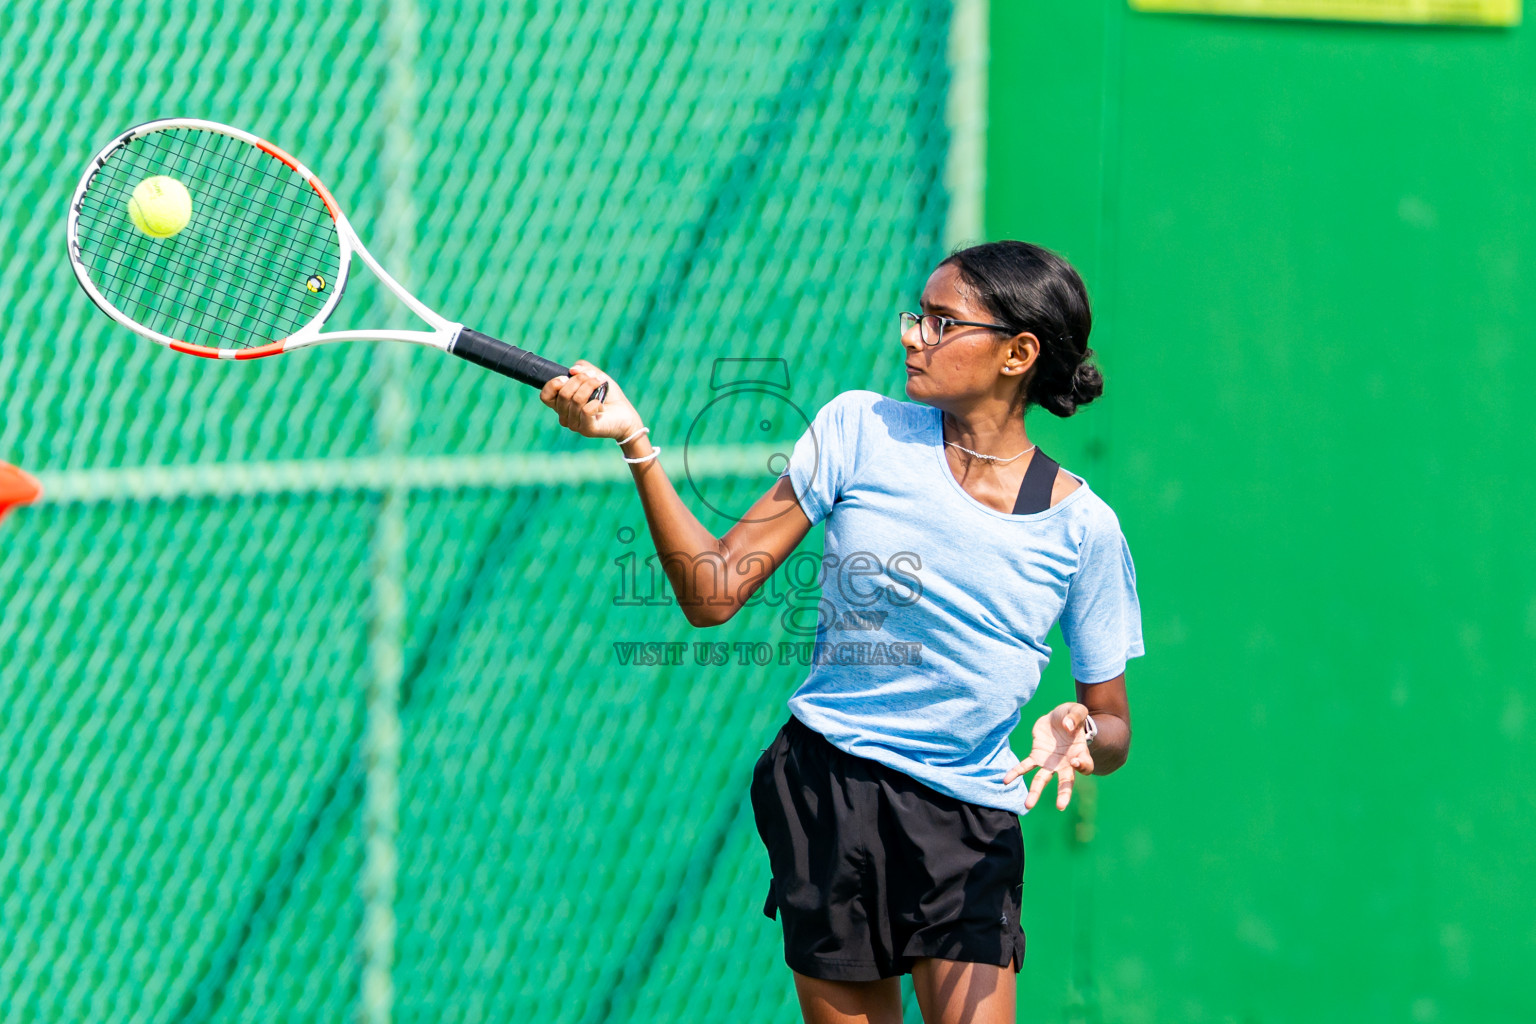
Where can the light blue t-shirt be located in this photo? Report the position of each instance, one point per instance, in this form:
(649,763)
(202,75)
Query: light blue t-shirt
(935,608)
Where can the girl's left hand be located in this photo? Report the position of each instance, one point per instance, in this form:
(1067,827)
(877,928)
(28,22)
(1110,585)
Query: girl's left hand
(1060,749)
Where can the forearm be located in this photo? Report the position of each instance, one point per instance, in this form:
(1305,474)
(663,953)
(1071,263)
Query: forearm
(692,557)
(1112,746)
(711,576)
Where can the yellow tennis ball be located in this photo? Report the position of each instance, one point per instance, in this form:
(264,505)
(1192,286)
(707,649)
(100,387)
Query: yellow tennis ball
(160,206)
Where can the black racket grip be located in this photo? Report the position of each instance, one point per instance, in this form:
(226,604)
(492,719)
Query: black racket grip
(511,361)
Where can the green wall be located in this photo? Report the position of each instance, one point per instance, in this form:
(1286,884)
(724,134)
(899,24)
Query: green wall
(1310,251)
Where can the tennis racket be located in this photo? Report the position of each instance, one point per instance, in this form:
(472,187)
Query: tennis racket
(257,264)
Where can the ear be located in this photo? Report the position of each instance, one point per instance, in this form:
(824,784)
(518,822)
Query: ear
(1021,354)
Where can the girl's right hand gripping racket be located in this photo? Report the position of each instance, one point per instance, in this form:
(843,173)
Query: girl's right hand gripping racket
(253,268)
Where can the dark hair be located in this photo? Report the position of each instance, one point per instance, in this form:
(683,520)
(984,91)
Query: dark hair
(1030,288)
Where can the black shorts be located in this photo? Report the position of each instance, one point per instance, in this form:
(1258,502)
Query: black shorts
(873,870)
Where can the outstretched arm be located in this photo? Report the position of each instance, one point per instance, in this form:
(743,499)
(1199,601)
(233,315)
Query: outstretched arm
(711,576)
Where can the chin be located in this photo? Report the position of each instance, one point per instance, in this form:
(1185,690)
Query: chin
(921,389)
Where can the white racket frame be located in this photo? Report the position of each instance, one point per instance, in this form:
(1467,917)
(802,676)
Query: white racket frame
(444,333)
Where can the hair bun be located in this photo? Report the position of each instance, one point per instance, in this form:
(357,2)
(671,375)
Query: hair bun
(1087,381)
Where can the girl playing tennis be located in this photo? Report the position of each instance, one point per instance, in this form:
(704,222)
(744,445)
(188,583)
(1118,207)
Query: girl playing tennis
(889,801)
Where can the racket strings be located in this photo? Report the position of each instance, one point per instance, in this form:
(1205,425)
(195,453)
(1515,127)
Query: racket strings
(206,293)
(256,286)
(221,227)
(230,302)
(241,296)
(238,275)
(252,164)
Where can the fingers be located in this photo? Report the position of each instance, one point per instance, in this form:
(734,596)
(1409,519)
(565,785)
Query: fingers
(563,404)
(1073,716)
(571,395)
(551,390)
(1036,787)
(1018,770)
(579,386)
(1083,763)
(585,371)
(1064,780)
(579,369)
(1065,777)
(581,366)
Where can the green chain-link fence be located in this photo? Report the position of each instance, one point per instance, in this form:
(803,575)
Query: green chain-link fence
(245,575)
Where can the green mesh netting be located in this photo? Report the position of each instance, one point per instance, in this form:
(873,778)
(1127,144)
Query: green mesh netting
(196,624)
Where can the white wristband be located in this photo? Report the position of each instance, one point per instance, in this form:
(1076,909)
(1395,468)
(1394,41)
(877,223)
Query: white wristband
(631,437)
(644,458)
(1091,728)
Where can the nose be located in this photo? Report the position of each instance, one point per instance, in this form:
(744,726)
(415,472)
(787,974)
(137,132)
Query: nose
(912,338)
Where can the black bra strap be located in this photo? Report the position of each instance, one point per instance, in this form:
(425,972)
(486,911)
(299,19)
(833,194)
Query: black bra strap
(1039,481)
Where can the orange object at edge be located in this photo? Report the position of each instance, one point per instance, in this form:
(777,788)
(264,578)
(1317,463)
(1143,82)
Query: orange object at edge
(17,487)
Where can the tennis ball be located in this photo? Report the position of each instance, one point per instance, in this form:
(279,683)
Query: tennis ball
(160,206)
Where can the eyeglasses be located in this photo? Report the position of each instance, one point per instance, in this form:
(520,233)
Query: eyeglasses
(931,326)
